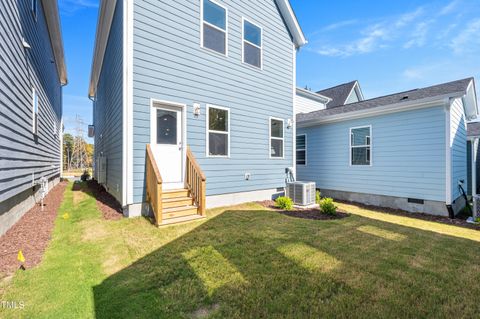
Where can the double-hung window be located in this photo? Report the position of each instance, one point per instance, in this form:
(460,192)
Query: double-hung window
(214,27)
(252,44)
(276,138)
(34,111)
(361,146)
(301,147)
(218,131)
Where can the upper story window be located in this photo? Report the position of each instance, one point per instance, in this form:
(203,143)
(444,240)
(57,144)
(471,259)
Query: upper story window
(276,138)
(301,146)
(214,27)
(218,131)
(34,111)
(360,146)
(252,44)
(34,7)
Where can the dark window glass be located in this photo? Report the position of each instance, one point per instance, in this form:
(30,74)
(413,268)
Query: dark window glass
(218,120)
(300,142)
(301,146)
(276,128)
(218,144)
(252,33)
(361,136)
(361,156)
(301,159)
(214,14)
(166,127)
(252,55)
(276,149)
(214,39)
(361,151)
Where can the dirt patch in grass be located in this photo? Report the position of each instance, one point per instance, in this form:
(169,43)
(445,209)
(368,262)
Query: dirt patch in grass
(307,213)
(30,234)
(107,204)
(423,216)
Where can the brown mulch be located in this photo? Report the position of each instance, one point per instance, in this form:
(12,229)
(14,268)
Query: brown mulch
(307,213)
(458,221)
(30,234)
(106,203)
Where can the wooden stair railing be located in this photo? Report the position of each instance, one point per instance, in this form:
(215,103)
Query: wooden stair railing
(195,182)
(154,186)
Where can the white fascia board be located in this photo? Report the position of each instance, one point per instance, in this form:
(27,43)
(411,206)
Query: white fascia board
(292,23)
(312,95)
(386,109)
(104,23)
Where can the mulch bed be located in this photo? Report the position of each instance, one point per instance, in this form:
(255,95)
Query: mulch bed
(106,203)
(30,234)
(459,221)
(307,213)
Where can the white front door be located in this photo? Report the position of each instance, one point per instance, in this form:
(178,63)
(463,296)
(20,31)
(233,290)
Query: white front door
(167,143)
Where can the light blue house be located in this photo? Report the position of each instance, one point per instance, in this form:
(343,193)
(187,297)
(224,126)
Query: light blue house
(32,74)
(406,150)
(208,82)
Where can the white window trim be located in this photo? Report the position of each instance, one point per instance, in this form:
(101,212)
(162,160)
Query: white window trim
(357,146)
(35,113)
(304,149)
(275,138)
(260,47)
(215,27)
(207,126)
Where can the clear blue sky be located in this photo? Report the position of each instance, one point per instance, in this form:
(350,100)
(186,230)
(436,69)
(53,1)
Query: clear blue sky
(389,46)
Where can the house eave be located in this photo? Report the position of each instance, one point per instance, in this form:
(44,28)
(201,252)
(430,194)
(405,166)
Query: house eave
(292,23)
(50,9)
(312,95)
(381,110)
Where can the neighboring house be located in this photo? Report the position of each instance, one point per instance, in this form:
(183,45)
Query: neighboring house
(307,101)
(473,152)
(406,150)
(208,87)
(32,74)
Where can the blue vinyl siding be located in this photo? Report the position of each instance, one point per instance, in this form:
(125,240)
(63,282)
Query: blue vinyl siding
(24,157)
(108,107)
(408,155)
(458,138)
(170,65)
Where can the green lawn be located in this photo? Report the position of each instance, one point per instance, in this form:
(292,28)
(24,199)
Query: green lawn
(248,262)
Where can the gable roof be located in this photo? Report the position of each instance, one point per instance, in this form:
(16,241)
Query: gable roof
(340,93)
(50,8)
(393,102)
(105,18)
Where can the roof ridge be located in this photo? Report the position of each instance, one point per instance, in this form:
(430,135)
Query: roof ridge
(338,85)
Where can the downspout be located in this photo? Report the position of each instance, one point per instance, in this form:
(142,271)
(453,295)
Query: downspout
(448,160)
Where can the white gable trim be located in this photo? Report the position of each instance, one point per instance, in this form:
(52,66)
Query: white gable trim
(292,23)
(355,89)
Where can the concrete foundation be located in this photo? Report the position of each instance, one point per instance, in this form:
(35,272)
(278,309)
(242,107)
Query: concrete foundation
(243,197)
(12,209)
(428,207)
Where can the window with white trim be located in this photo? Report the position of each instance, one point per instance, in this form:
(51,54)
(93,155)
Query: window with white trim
(276,138)
(34,111)
(218,131)
(34,8)
(360,146)
(252,44)
(214,27)
(301,148)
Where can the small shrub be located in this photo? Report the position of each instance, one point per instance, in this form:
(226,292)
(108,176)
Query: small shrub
(477,220)
(327,206)
(318,197)
(283,202)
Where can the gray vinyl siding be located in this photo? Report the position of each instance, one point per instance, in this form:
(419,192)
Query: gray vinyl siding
(170,65)
(408,156)
(24,157)
(108,106)
(458,138)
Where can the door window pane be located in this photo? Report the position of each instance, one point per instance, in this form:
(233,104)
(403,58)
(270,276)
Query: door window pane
(166,127)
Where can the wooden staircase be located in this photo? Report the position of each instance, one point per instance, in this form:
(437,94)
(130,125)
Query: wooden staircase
(178,205)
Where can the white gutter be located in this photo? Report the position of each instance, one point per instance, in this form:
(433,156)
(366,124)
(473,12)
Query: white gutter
(312,95)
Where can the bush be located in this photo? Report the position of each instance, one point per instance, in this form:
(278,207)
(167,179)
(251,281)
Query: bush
(283,202)
(318,197)
(85,176)
(327,206)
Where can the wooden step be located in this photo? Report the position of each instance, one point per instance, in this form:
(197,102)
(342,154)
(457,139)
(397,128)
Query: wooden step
(179,211)
(173,193)
(182,219)
(177,202)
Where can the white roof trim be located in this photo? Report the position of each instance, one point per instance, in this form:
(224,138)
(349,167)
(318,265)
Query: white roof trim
(292,22)
(470,102)
(358,92)
(50,9)
(312,95)
(380,110)
(104,23)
